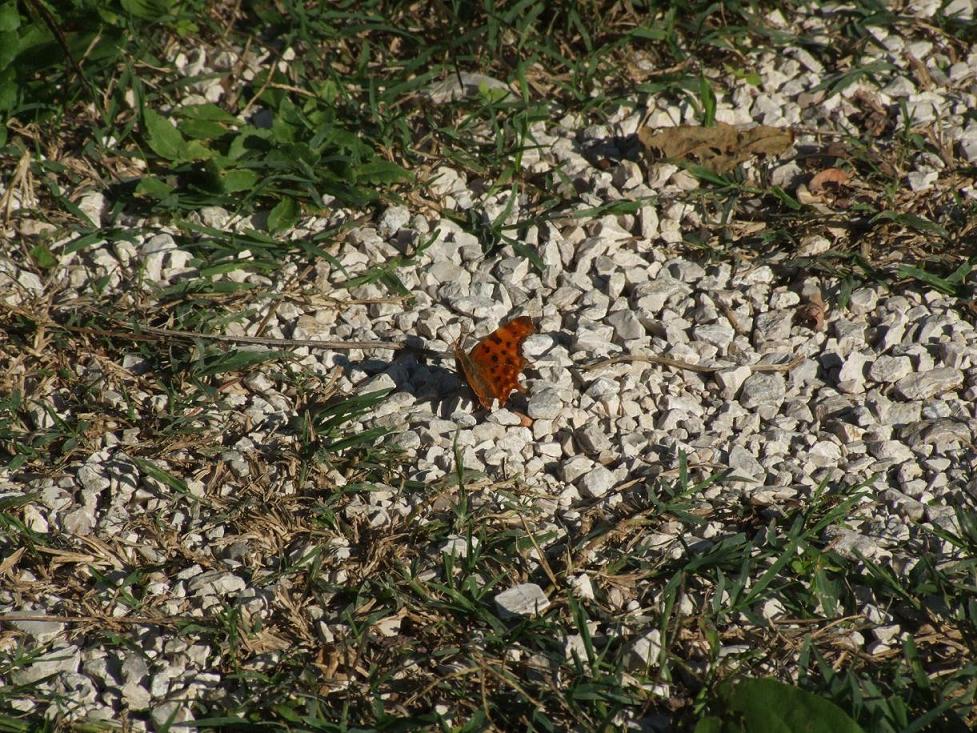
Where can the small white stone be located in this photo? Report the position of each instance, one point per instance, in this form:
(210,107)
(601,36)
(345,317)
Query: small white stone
(851,377)
(458,546)
(582,587)
(887,634)
(29,281)
(394,219)
(649,222)
(574,647)
(932,383)
(730,380)
(34,520)
(61,658)
(772,608)
(922,181)
(891,450)
(643,653)
(626,325)
(888,369)
(849,543)
(824,453)
(597,482)
(762,388)
(959,9)
(79,522)
(719,334)
(522,600)
(215,217)
(745,465)
(575,467)
(93,206)
(42,631)
(464,84)
(812,245)
(216,582)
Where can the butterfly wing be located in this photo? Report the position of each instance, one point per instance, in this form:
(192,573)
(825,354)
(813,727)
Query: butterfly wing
(493,366)
(476,380)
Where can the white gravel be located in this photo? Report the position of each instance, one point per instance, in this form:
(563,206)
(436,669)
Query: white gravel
(883,395)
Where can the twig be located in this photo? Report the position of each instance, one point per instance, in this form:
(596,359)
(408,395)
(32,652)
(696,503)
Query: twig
(151,333)
(666,361)
(731,317)
(102,619)
(265,341)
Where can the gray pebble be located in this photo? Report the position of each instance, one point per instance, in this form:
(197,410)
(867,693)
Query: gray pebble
(762,388)
(934,382)
(527,599)
(596,482)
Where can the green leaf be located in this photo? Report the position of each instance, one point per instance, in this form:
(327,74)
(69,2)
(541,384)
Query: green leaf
(9,47)
(196,150)
(789,201)
(380,171)
(249,141)
(911,221)
(208,112)
(235,360)
(826,591)
(8,97)
(709,725)
(205,121)
(42,257)
(769,705)
(949,285)
(146,9)
(284,215)
(327,90)
(152,187)
(704,174)
(9,17)
(238,179)
(202,129)
(708,98)
(524,250)
(164,139)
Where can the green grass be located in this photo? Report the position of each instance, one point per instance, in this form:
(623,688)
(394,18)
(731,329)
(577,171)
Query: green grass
(375,629)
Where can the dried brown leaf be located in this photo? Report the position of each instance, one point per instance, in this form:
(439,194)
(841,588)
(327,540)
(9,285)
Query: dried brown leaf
(828,178)
(814,312)
(720,148)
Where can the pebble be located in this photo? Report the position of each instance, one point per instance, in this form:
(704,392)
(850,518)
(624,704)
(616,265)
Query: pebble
(520,601)
(730,380)
(923,385)
(627,325)
(643,652)
(596,482)
(889,369)
(458,546)
(545,404)
(883,394)
(762,388)
(59,659)
(41,631)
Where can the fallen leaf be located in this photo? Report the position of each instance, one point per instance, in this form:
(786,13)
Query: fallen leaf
(11,560)
(719,149)
(812,313)
(828,178)
(872,115)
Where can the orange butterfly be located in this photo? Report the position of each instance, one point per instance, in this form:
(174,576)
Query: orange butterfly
(492,367)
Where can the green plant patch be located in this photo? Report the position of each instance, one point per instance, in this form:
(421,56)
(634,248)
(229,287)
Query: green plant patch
(752,705)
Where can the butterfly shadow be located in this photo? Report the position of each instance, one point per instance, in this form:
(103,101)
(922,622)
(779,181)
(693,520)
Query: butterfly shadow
(413,370)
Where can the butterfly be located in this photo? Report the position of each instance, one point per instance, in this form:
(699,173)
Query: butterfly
(492,367)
